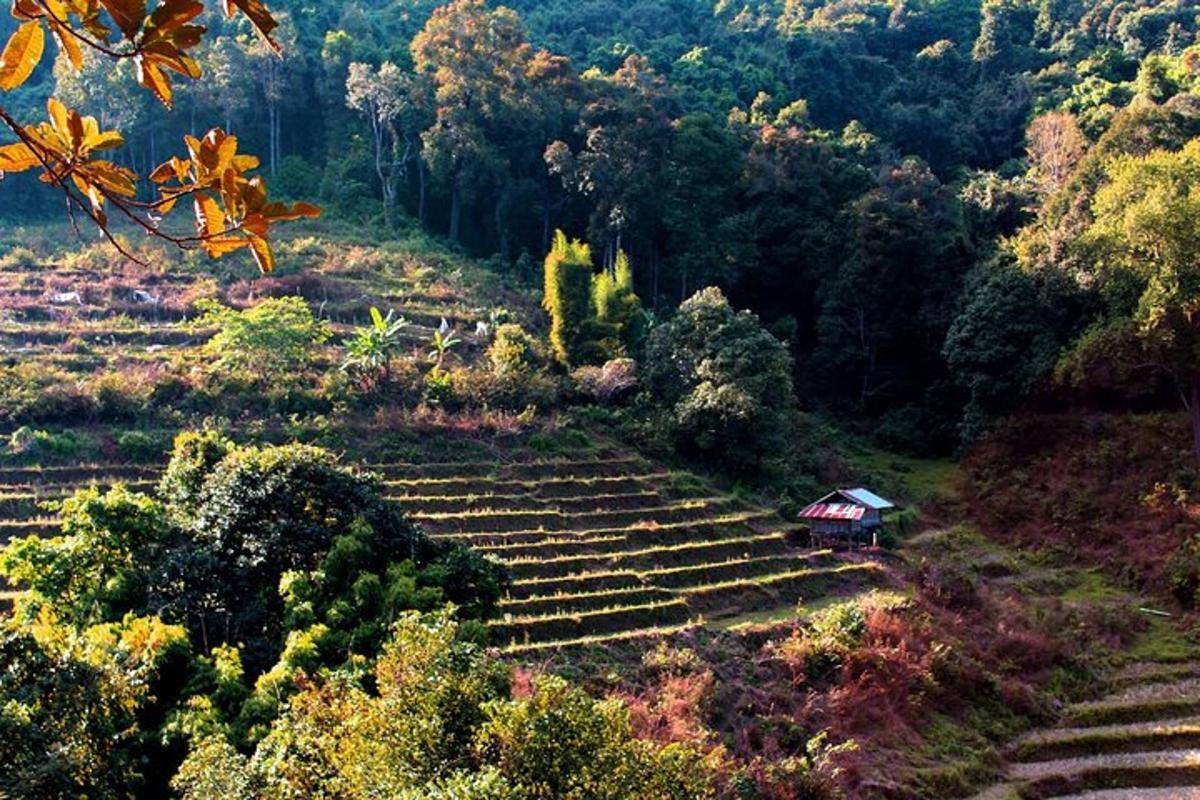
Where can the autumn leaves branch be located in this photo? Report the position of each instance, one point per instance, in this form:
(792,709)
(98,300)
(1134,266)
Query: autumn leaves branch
(231,208)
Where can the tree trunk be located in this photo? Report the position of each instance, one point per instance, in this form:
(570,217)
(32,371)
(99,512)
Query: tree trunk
(455,213)
(1194,413)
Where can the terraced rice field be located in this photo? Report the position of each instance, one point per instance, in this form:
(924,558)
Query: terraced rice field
(1140,742)
(84,319)
(600,549)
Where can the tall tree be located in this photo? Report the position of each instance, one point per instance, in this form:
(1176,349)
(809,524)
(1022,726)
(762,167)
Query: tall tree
(476,59)
(1147,225)
(381,96)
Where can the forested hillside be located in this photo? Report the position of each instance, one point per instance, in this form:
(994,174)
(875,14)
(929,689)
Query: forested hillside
(847,170)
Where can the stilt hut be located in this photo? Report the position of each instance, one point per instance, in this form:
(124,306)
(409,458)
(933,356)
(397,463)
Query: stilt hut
(851,517)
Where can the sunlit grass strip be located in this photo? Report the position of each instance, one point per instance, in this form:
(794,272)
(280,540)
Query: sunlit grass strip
(529,484)
(583,616)
(575,504)
(664,572)
(603,638)
(1135,737)
(780,577)
(722,519)
(466,469)
(1154,673)
(1116,713)
(548,544)
(1114,769)
(684,505)
(663,550)
(563,602)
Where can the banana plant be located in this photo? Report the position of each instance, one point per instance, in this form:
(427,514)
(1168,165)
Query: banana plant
(370,352)
(444,340)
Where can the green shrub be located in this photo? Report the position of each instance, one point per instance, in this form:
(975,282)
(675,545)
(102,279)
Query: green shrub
(567,298)
(617,305)
(275,337)
(512,350)
(141,446)
(726,380)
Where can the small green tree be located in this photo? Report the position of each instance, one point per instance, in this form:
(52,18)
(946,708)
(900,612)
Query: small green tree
(568,298)
(618,306)
(276,336)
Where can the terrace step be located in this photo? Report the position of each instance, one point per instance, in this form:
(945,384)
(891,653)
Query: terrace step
(540,605)
(615,541)
(546,488)
(465,504)
(573,584)
(631,637)
(1151,672)
(551,521)
(569,626)
(692,553)
(49,491)
(1112,770)
(776,590)
(695,577)
(75,475)
(1140,793)
(700,528)
(612,466)
(1060,743)
(1147,703)
(19,530)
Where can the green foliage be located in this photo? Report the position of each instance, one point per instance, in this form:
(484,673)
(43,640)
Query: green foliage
(271,339)
(560,742)
(99,568)
(617,305)
(1001,344)
(193,457)
(512,351)
(72,703)
(727,381)
(567,297)
(372,348)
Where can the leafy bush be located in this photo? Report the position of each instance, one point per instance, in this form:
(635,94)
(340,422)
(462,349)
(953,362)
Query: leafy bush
(618,305)
(727,381)
(276,336)
(512,350)
(73,703)
(141,446)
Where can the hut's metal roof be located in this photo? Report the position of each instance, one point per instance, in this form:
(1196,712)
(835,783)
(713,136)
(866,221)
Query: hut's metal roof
(868,499)
(838,511)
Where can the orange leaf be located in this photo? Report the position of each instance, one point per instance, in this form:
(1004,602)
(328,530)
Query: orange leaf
(128,14)
(261,249)
(210,218)
(17,158)
(150,76)
(21,55)
(259,17)
(68,44)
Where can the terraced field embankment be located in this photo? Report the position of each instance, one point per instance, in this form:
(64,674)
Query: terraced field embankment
(1140,742)
(600,549)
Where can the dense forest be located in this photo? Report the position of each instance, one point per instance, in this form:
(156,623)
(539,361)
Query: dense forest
(857,173)
(505,473)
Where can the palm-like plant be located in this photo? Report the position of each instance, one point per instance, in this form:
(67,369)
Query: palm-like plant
(444,340)
(370,351)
